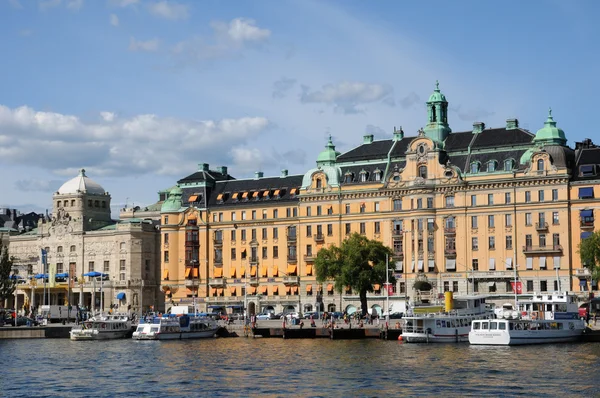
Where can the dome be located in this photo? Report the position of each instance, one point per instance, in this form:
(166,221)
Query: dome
(437,96)
(81,184)
(561,156)
(329,155)
(550,134)
(173,202)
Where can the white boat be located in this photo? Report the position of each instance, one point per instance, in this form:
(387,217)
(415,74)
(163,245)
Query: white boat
(169,327)
(102,327)
(545,318)
(445,324)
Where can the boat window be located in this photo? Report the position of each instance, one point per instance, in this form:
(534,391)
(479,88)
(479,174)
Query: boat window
(485,325)
(475,325)
(493,325)
(502,325)
(511,326)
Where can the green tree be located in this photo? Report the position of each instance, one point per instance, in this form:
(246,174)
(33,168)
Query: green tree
(589,252)
(7,285)
(359,263)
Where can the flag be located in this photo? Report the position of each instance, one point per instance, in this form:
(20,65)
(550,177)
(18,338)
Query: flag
(390,289)
(517,287)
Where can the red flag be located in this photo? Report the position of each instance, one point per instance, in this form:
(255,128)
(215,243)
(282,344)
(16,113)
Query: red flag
(517,287)
(390,289)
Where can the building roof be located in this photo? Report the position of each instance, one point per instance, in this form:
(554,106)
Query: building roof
(373,150)
(498,137)
(266,188)
(81,184)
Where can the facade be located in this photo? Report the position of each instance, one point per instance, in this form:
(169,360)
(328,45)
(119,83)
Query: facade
(80,237)
(466,212)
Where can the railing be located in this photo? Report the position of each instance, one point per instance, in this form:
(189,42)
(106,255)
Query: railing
(449,252)
(291,280)
(543,249)
(253,280)
(309,257)
(541,226)
(291,237)
(582,272)
(292,258)
(216,281)
(399,255)
(449,230)
(219,261)
(192,282)
(397,233)
(587,222)
(218,241)
(253,260)
(319,238)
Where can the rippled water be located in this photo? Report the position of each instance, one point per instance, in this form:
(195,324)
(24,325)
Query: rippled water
(277,367)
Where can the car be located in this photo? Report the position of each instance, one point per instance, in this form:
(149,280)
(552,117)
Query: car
(308,314)
(336,315)
(292,315)
(396,315)
(22,321)
(279,315)
(264,316)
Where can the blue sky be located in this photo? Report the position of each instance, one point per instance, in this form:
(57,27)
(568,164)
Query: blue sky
(138,92)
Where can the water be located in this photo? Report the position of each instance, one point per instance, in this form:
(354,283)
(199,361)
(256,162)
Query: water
(278,368)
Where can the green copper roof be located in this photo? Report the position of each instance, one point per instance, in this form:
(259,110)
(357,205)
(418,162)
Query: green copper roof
(550,134)
(173,202)
(328,155)
(437,96)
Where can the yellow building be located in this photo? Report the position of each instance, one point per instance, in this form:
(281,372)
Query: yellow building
(464,211)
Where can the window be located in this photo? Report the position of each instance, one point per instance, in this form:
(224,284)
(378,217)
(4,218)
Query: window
(450,201)
(233,233)
(376,206)
(319,183)
(473,200)
(253,232)
(540,196)
(586,193)
(554,217)
(295,212)
(254,214)
(309,230)
(243,234)
(475,243)
(309,211)
(347,209)
(492,243)
(527,196)
(348,230)
(377,227)
(430,248)
(555,239)
(288,212)
(264,252)
(492,288)
(554,195)
(214,217)
(542,240)
(122,265)
(475,264)
(543,286)
(233,253)
(542,219)
(73,248)
(508,220)
(507,198)
(509,241)
(264,213)
(430,203)
(243,214)
(275,251)
(363,207)
(362,228)
(423,172)
(474,222)
(446,286)
(491,166)
(329,229)
(106,266)
(528,241)
(491,223)
(166,238)
(419,203)
(264,234)
(309,250)
(166,256)
(508,165)
(275,213)
(220,217)
(430,224)
(397,204)
(490,198)
(420,224)
(59,249)
(91,266)
(455,286)
(474,168)
(530,286)
(540,164)
(527,218)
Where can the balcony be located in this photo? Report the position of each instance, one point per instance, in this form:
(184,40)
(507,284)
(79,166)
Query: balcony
(218,241)
(587,223)
(292,258)
(215,281)
(398,255)
(291,280)
(541,226)
(219,261)
(554,249)
(253,280)
(309,258)
(192,282)
(319,238)
(291,237)
(398,233)
(253,260)
(449,252)
(583,272)
(449,230)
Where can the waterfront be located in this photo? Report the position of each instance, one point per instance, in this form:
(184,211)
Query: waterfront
(277,367)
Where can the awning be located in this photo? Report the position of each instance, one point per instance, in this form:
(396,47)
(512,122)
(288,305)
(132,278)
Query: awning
(399,265)
(213,290)
(265,194)
(293,191)
(492,264)
(234,196)
(582,282)
(586,213)
(219,291)
(542,262)
(232,272)
(420,264)
(288,289)
(195,272)
(215,306)
(218,272)
(263,290)
(308,269)
(509,263)
(529,264)
(166,274)
(253,271)
(121,296)
(585,235)
(491,284)
(556,262)
(294,289)
(220,197)
(309,288)
(275,270)
(450,264)
(586,193)
(412,267)
(291,269)
(431,265)
(62,275)
(245,195)
(330,287)
(242,272)
(586,169)
(41,276)
(263,271)
(276,193)
(376,286)
(252,290)
(193,198)
(233,290)
(188,271)
(275,289)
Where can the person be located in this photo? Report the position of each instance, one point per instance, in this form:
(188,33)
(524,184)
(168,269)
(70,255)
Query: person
(301,324)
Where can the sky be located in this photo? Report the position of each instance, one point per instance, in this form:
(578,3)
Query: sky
(140,92)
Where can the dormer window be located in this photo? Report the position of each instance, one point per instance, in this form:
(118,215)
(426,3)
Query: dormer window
(364,176)
(377,175)
(474,167)
(423,172)
(256,195)
(235,196)
(245,196)
(276,194)
(219,198)
(266,195)
(540,164)
(509,164)
(588,170)
(319,183)
(348,177)
(491,166)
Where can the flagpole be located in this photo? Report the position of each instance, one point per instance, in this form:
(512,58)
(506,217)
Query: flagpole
(387,291)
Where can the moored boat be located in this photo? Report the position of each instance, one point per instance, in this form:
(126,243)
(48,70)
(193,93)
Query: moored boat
(448,324)
(102,327)
(545,318)
(169,327)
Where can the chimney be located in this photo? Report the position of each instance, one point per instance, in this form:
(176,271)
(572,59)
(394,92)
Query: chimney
(284,173)
(478,127)
(512,124)
(258,174)
(202,166)
(222,170)
(398,134)
(367,139)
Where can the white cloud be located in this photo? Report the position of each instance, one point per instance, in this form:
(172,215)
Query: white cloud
(121,146)
(282,86)
(348,97)
(139,45)
(46,4)
(74,5)
(169,10)
(114,20)
(227,39)
(33,184)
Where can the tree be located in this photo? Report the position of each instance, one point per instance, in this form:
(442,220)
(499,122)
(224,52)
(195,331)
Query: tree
(7,285)
(359,263)
(589,252)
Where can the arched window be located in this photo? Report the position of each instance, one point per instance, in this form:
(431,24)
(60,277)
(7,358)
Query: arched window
(319,184)
(59,249)
(508,165)
(540,164)
(491,166)
(363,176)
(423,171)
(474,168)
(72,248)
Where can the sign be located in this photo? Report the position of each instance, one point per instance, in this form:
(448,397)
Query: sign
(390,289)
(517,287)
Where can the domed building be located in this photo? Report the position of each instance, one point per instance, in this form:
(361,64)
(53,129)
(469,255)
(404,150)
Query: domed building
(91,260)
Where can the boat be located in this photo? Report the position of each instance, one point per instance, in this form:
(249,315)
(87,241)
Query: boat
(445,324)
(543,318)
(171,327)
(102,327)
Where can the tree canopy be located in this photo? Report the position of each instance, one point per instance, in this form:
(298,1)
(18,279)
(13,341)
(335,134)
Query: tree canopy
(589,252)
(359,263)
(7,285)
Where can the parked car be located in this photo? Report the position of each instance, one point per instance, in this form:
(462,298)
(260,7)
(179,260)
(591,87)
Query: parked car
(264,316)
(22,321)
(396,315)
(308,314)
(279,315)
(336,315)
(292,315)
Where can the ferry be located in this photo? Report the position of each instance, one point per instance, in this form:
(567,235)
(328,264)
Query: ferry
(102,327)
(448,324)
(170,327)
(545,318)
